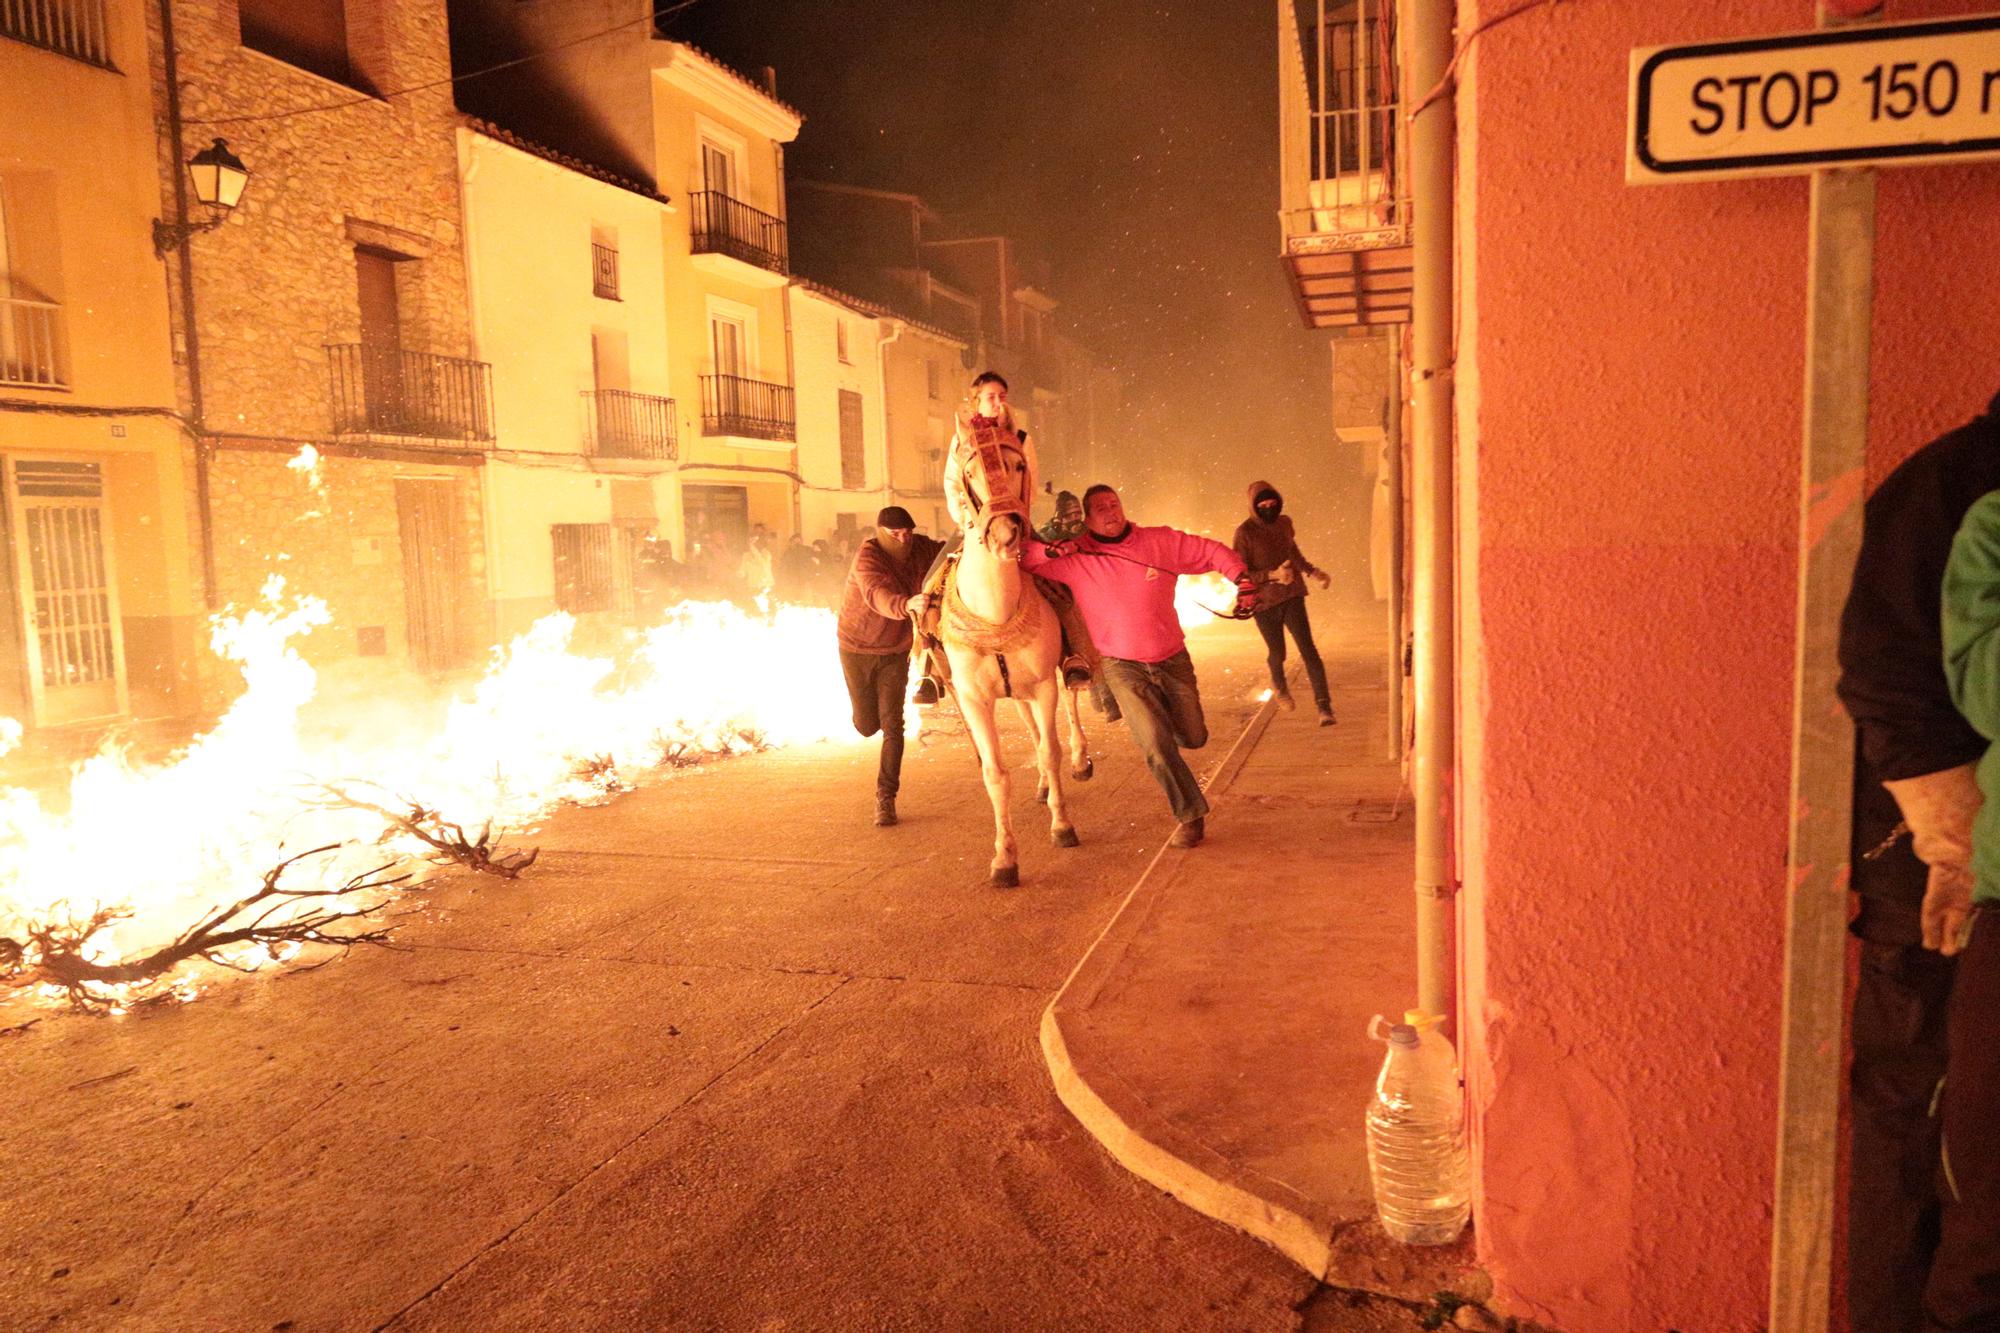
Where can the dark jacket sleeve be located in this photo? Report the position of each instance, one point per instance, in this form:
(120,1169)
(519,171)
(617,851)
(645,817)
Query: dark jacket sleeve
(879,586)
(1892,679)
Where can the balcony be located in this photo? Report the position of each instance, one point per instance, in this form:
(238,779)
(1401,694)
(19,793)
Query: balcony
(32,353)
(603,271)
(621,424)
(73,28)
(732,230)
(383,390)
(751,409)
(1345,209)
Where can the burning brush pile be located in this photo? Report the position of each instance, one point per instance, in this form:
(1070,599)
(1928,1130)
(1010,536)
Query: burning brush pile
(284,836)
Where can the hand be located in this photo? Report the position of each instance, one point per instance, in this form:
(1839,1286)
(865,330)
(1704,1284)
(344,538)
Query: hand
(917,605)
(1057,550)
(1947,909)
(1246,594)
(1283,573)
(1322,578)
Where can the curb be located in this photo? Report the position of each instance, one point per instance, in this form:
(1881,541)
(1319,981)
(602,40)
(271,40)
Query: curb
(1140,1139)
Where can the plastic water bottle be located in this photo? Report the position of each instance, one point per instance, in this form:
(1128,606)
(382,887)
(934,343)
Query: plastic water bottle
(1416,1134)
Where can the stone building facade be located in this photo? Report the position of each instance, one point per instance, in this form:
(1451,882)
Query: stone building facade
(330,310)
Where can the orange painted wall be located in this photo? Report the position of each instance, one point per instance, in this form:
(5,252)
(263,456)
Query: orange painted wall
(1630,385)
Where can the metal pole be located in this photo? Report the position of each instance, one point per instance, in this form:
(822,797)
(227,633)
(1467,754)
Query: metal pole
(1432,131)
(1392,474)
(190,328)
(1839,311)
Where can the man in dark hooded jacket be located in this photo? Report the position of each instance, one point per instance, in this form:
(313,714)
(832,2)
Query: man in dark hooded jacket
(1914,802)
(1267,544)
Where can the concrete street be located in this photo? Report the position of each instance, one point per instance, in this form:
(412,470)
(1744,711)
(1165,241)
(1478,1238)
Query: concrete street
(727,1057)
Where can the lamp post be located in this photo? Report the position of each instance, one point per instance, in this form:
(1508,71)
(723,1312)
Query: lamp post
(219,177)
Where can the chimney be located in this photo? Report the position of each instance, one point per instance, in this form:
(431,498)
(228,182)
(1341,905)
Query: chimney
(771,82)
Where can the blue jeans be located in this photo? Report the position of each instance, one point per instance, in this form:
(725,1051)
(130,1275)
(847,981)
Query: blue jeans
(1162,706)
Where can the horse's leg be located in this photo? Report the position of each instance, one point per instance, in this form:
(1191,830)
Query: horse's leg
(1005,871)
(1080,765)
(1049,758)
(1027,716)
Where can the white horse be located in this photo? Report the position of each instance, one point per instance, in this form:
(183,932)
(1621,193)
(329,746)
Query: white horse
(1003,641)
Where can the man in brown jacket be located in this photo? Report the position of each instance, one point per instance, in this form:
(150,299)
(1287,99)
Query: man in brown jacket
(875,639)
(1267,544)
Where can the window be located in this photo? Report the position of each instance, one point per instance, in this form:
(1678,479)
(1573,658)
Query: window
(33,349)
(853,456)
(932,378)
(718,168)
(604,262)
(585,576)
(311,34)
(74,28)
(731,345)
(840,341)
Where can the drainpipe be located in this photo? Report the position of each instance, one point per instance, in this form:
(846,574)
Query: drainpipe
(1432,131)
(882,364)
(190,335)
(1392,479)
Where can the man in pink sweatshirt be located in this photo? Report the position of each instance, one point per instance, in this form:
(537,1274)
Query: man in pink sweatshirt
(1123,577)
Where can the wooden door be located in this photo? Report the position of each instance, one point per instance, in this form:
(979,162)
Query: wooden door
(718,170)
(71,629)
(382,385)
(427,519)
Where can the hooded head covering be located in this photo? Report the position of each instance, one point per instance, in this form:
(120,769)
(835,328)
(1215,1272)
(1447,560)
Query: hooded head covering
(1065,498)
(1262,490)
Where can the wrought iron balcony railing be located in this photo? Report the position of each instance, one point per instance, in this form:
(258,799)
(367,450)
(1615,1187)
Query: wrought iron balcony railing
(620,424)
(74,28)
(384,390)
(31,344)
(733,405)
(725,226)
(604,271)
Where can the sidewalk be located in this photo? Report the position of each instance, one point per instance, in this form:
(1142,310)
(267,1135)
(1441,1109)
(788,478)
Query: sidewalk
(1214,1037)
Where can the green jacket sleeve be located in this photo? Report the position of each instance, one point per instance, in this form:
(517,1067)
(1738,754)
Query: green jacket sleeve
(1971,617)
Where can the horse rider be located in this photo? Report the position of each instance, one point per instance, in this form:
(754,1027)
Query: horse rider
(987,420)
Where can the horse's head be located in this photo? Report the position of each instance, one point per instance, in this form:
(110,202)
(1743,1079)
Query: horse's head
(1003,524)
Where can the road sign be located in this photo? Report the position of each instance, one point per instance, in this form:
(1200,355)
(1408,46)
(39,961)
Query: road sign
(1882,94)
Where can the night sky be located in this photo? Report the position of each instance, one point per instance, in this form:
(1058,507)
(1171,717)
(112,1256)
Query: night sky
(1137,147)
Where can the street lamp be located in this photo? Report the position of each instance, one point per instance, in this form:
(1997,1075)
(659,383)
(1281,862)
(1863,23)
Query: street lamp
(219,177)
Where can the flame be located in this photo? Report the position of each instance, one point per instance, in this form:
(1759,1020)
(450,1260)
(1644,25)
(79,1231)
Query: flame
(1196,593)
(167,843)
(306,463)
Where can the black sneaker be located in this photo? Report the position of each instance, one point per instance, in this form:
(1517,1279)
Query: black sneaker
(1326,718)
(885,811)
(927,692)
(1285,700)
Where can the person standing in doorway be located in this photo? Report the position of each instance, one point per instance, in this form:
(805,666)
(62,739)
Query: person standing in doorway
(1915,795)
(1123,577)
(875,639)
(1269,546)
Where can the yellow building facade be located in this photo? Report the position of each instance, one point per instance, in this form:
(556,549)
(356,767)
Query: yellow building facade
(100,604)
(567,271)
(718,152)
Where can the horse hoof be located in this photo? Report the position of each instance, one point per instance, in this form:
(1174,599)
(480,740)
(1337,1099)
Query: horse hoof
(1086,773)
(1065,837)
(1006,877)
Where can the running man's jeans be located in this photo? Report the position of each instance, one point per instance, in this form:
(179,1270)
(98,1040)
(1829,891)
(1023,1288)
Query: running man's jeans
(1162,706)
(1272,622)
(876,684)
